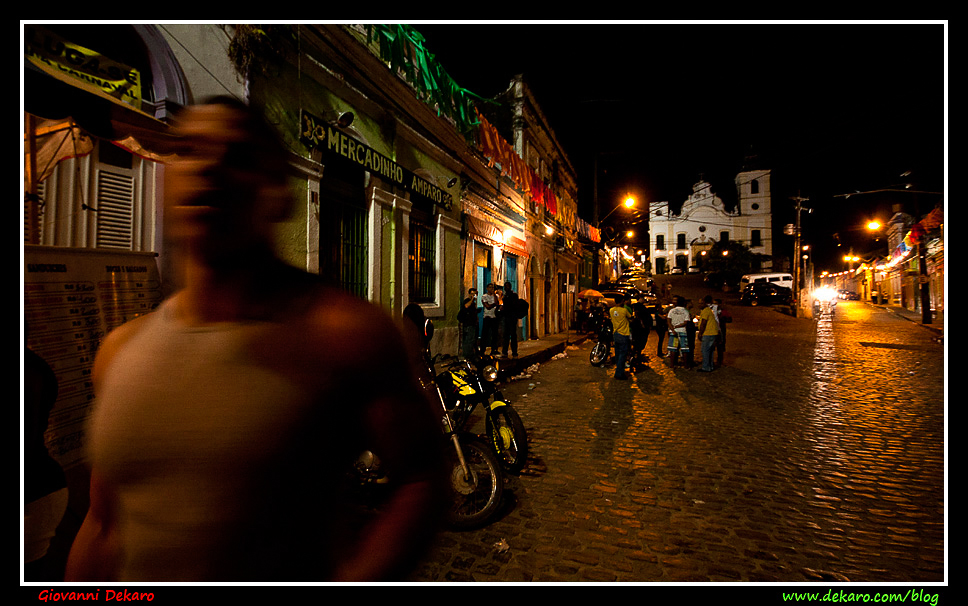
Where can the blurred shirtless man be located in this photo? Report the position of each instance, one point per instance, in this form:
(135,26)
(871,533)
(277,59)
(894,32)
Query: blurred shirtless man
(227,418)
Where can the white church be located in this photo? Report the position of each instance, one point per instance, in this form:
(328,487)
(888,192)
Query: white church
(678,241)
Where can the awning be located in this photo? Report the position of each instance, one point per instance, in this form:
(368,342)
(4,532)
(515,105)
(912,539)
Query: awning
(488,233)
(54,96)
(483,231)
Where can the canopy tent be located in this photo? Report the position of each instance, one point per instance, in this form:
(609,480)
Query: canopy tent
(62,115)
(69,112)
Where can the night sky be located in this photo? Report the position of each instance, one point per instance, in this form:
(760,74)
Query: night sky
(828,108)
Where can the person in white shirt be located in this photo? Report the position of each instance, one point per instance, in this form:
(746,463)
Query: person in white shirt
(678,318)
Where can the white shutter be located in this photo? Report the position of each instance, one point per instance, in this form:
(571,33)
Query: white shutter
(115,209)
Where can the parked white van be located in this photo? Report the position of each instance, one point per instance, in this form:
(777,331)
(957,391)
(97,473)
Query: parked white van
(780,279)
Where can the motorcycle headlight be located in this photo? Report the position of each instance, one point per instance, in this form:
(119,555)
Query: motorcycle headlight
(489,373)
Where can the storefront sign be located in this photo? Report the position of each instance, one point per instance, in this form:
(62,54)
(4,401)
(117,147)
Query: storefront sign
(72,297)
(53,54)
(315,132)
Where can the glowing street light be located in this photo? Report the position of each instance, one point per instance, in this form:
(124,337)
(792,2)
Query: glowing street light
(628,203)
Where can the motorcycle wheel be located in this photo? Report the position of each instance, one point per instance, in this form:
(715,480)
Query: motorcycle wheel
(599,354)
(508,437)
(475,499)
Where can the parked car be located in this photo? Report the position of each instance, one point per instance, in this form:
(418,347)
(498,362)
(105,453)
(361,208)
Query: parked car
(848,295)
(639,279)
(625,288)
(781,278)
(632,294)
(765,293)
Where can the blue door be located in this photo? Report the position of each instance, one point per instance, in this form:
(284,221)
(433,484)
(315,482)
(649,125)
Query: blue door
(512,277)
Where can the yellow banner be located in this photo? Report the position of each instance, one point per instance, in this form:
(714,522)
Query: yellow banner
(53,54)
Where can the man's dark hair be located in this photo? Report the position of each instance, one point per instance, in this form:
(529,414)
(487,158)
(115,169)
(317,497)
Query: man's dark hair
(262,150)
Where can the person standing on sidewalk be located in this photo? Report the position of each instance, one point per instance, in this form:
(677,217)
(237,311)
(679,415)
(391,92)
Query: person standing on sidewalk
(489,302)
(509,320)
(467,318)
(708,333)
(621,334)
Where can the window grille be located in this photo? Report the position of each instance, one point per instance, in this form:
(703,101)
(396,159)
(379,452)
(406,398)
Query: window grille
(422,262)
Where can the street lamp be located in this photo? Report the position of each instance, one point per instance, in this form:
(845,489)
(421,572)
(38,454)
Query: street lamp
(629,202)
(922,261)
(875,226)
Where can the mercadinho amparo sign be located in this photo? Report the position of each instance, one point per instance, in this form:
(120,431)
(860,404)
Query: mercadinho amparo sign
(317,133)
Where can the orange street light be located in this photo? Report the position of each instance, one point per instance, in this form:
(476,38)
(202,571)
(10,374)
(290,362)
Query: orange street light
(629,202)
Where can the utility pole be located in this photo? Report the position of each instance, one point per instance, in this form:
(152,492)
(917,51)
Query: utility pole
(796,255)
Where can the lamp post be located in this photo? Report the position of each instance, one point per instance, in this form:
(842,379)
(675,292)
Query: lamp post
(875,226)
(796,252)
(629,202)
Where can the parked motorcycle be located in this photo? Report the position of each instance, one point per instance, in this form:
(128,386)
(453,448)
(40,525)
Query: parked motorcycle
(602,348)
(465,386)
(474,473)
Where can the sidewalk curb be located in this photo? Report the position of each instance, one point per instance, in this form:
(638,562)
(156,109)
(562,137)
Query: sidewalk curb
(905,314)
(511,367)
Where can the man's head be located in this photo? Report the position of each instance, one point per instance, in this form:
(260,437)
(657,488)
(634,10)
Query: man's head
(707,300)
(229,183)
(507,287)
(472,292)
(490,288)
(619,299)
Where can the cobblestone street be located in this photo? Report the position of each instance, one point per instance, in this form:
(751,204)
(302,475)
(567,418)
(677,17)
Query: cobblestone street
(815,454)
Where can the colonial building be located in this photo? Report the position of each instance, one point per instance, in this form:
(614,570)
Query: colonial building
(680,241)
(548,182)
(93,136)
(380,169)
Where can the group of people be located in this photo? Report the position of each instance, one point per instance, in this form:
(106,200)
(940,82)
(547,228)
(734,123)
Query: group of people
(674,327)
(500,311)
(711,333)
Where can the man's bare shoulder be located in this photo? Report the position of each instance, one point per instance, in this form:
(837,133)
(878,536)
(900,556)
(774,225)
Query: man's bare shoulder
(338,315)
(113,343)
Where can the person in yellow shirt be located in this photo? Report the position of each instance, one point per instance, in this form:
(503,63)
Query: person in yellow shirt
(621,334)
(708,333)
